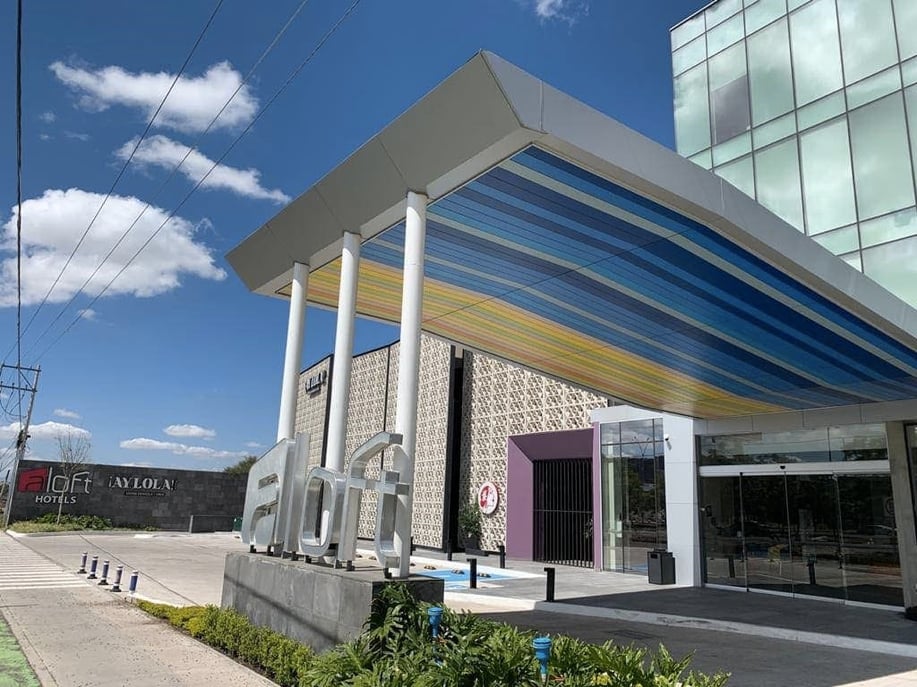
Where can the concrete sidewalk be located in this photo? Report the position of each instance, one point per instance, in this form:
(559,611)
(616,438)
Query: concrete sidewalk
(84,636)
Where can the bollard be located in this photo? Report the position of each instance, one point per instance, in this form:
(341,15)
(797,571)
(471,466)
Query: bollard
(386,573)
(435,616)
(810,564)
(448,550)
(549,585)
(116,587)
(251,548)
(502,551)
(82,570)
(104,581)
(542,647)
(349,566)
(132,585)
(472,573)
(92,568)
(732,566)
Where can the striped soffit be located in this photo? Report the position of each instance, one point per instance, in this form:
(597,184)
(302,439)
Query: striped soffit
(541,262)
(560,240)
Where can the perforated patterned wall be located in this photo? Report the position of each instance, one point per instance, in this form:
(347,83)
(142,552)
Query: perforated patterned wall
(311,407)
(372,404)
(501,400)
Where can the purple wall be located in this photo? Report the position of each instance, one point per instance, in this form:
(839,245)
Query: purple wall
(521,451)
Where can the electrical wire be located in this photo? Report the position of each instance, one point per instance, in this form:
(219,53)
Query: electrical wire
(120,174)
(295,73)
(174,170)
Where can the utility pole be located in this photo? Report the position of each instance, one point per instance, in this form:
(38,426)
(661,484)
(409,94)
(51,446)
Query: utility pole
(25,380)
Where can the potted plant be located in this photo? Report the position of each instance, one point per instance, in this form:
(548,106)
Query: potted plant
(469,522)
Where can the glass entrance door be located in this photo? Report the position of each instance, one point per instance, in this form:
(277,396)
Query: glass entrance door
(825,535)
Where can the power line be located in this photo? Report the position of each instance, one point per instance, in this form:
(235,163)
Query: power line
(174,170)
(295,73)
(120,174)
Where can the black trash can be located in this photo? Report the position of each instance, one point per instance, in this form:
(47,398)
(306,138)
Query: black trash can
(660,567)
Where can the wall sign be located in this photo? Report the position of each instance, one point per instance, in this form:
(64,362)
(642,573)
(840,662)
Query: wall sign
(141,485)
(51,487)
(488,498)
(315,382)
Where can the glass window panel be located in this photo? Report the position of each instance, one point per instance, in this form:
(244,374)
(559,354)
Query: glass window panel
(909,72)
(692,114)
(867,37)
(873,88)
(826,177)
(729,109)
(725,34)
(687,31)
(840,240)
(740,174)
(816,51)
(858,442)
(611,433)
(897,225)
(721,520)
(910,102)
(854,260)
(774,131)
(892,266)
(721,11)
(763,13)
(769,74)
(881,164)
(794,446)
(730,150)
(638,431)
(779,190)
(906,25)
(793,4)
(693,53)
(821,110)
(703,158)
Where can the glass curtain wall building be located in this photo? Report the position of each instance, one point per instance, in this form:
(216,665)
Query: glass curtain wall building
(810,107)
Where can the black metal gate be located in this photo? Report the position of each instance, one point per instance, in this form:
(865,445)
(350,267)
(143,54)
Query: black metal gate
(563,511)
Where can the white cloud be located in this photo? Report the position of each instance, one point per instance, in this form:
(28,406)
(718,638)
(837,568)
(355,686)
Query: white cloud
(191,106)
(144,444)
(190,431)
(69,414)
(56,219)
(76,136)
(44,137)
(135,465)
(47,117)
(45,430)
(565,10)
(160,151)
(253,444)
(87,314)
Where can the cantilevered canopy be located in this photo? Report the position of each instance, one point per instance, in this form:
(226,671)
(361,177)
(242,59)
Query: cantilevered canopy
(561,240)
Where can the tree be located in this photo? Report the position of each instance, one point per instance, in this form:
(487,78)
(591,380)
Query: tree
(73,452)
(242,467)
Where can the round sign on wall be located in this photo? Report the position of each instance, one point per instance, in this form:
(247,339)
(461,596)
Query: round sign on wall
(488,498)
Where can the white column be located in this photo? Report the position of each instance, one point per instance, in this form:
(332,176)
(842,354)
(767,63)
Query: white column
(290,389)
(343,353)
(409,368)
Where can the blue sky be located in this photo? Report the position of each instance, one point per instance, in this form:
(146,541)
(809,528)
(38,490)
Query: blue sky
(177,364)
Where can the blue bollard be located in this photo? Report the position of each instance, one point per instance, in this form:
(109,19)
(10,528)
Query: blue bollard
(116,587)
(542,646)
(92,568)
(435,616)
(132,585)
(104,581)
(473,573)
(82,570)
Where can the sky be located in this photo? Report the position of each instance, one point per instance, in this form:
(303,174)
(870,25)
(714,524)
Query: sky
(165,359)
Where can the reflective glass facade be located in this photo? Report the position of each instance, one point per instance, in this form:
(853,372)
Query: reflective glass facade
(810,107)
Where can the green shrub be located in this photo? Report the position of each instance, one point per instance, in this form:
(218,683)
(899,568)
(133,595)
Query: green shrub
(396,650)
